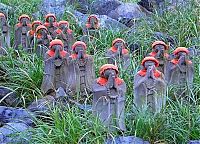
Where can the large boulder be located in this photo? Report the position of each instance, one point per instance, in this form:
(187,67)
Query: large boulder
(105,21)
(128,13)
(104,7)
(8,97)
(9,133)
(80,5)
(15,115)
(56,7)
(126,140)
(4,8)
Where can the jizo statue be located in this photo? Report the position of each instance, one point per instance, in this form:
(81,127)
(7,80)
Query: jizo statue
(149,86)
(180,71)
(109,97)
(51,24)
(21,30)
(160,53)
(118,54)
(55,68)
(4,34)
(81,71)
(91,28)
(32,33)
(43,39)
(66,34)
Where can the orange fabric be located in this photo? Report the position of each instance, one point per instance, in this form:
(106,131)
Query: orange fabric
(55,42)
(160,43)
(40,27)
(143,73)
(150,59)
(153,54)
(47,24)
(79,43)
(103,81)
(20,25)
(51,53)
(2,15)
(180,49)
(176,61)
(50,15)
(24,16)
(31,32)
(124,51)
(108,66)
(88,25)
(75,56)
(118,40)
(58,31)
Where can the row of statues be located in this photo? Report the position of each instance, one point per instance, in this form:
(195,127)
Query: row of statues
(68,68)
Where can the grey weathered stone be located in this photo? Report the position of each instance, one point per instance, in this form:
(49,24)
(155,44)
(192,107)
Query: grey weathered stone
(8,97)
(194,142)
(80,5)
(4,8)
(105,21)
(126,140)
(56,7)
(127,13)
(8,114)
(104,7)
(9,133)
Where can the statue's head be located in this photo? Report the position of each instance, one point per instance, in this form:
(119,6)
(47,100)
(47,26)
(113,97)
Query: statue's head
(63,25)
(159,47)
(24,19)
(2,18)
(41,30)
(50,18)
(148,62)
(79,48)
(119,44)
(56,45)
(35,24)
(92,21)
(181,53)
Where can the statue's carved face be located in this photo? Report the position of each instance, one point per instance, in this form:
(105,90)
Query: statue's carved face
(119,45)
(110,74)
(93,21)
(51,19)
(25,21)
(42,32)
(159,49)
(149,64)
(80,50)
(56,47)
(2,21)
(182,56)
(63,26)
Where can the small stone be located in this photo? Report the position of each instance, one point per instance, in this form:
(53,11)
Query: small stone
(126,140)
(194,142)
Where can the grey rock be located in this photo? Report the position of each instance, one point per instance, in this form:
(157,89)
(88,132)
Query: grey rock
(42,105)
(128,13)
(4,8)
(56,7)
(8,97)
(9,133)
(104,7)
(8,115)
(194,142)
(105,22)
(126,140)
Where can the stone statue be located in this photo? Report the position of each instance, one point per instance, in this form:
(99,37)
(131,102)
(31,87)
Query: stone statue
(81,71)
(160,53)
(43,39)
(51,24)
(66,34)
(109,97)
(91,29)
(55,68)
(21,30)
(149,86)
(4,34)
(32,33)
(118,54)
(180,71)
